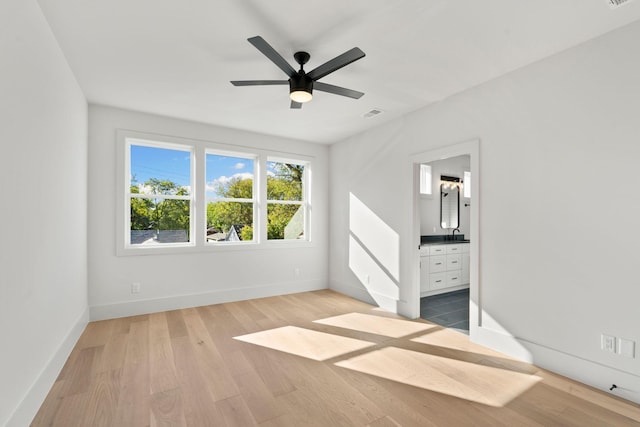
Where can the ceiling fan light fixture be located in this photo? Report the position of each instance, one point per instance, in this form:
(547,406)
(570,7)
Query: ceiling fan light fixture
(300,88)
(300,96)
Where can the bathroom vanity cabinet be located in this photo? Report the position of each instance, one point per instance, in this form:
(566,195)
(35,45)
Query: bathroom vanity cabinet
(443,268)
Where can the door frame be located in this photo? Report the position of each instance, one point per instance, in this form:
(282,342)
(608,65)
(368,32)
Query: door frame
(471,148)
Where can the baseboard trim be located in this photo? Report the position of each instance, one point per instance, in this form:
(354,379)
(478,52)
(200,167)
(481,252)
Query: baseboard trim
(374,298)
(591,373)
(176,302)
(31,402)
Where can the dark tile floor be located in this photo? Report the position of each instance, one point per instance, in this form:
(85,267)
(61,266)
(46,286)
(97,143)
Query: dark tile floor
(450,310)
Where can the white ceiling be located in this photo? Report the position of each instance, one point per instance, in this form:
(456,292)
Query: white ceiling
(176,58)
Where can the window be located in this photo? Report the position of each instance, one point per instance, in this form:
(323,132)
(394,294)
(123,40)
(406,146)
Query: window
(230,198)
(466,189)
(180,195)
(159,194)
(425,179)
(286,200)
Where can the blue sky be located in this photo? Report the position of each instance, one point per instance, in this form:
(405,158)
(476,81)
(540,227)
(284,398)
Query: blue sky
(173,165)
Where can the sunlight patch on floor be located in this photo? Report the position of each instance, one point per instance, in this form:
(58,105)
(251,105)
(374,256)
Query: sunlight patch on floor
(469,381)
(305,342)
(394,328)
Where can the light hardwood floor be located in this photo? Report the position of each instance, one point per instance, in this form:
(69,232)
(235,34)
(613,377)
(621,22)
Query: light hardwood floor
(309,359)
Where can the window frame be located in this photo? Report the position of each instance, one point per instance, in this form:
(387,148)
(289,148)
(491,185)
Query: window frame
(198,218)
(306,190)
(466,185)
(128,195)
(426,181)
(253,200)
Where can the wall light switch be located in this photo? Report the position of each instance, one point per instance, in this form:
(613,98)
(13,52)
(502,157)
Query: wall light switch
(608,343)
(626,348)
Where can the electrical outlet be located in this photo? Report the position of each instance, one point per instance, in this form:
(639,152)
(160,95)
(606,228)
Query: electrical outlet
(296,272)
(608,343)
(626,348)
(135,288)
(367,279)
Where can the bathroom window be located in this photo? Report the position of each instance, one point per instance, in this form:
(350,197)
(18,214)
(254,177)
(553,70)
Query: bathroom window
(466,186)
(425,180)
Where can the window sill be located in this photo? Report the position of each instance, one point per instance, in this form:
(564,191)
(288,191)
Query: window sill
(212,248)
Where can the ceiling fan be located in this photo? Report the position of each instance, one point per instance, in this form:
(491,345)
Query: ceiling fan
(301,84)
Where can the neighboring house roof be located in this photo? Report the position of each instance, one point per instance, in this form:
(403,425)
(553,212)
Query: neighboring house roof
(234,234)
(152,237)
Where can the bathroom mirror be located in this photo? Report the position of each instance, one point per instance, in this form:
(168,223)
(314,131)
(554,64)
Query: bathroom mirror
(449,203)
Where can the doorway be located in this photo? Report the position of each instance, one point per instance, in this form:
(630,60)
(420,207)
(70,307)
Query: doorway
(444,205)
(441,293)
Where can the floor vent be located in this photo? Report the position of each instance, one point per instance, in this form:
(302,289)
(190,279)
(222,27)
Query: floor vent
(372,113)
(617,3)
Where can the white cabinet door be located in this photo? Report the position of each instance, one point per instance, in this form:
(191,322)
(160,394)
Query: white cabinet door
(466,274)
(424,273)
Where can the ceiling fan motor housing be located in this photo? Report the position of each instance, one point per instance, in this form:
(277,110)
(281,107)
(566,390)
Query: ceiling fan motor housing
(300,82)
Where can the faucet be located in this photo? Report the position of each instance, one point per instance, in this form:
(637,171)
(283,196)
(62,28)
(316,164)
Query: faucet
(453,233)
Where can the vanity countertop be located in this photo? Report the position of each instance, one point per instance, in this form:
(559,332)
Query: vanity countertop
(442,240)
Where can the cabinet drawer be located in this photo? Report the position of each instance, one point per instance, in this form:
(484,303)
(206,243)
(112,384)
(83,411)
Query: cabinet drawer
(465,248)
(424,250)
(437,250)
(454,278)
(454,262)
(437,263)
(437,281)
(454,249)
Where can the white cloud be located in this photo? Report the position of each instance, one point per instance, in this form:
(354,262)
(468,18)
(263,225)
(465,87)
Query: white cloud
(239,165)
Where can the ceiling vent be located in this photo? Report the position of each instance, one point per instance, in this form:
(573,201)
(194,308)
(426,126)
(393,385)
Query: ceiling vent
(372,113)
(617,3)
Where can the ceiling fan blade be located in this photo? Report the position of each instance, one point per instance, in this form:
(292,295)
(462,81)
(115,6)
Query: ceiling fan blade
(337,90)
(259,82)
(336,63)
(296,105)
(271,53)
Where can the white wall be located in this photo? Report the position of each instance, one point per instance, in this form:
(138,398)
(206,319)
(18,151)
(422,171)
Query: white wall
(558,253)
(170,281)
(429,206)
(43,171)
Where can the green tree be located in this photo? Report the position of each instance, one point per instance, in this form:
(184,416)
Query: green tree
(168,214)
(140,211)
(160,214)
(284,184)
(222,215)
